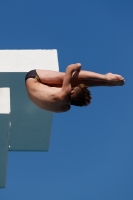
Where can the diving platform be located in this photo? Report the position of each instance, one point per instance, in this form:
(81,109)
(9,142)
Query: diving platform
(24,126)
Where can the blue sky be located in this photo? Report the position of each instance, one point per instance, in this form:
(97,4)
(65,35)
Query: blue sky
(90,154)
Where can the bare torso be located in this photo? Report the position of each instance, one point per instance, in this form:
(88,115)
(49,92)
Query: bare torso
(46,97)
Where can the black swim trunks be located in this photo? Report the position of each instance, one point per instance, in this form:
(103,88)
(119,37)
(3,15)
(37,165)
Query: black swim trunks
(32,74)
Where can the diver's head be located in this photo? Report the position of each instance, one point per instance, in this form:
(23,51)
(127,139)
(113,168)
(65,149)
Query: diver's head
(80,95)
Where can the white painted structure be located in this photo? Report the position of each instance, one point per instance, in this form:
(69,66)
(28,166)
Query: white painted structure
(5,101)
(30,126)
(4,132)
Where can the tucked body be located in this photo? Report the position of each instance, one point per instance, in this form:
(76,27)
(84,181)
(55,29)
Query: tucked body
(57,91)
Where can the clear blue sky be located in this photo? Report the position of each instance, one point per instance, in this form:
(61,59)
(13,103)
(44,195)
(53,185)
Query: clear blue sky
(91,149)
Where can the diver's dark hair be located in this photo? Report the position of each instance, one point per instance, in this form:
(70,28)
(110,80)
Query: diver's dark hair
(81,96)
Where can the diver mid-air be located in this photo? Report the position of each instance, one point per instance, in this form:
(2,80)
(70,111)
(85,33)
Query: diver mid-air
(57,91)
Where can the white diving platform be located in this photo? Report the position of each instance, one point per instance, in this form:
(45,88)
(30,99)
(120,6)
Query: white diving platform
(4,132)
(24,126)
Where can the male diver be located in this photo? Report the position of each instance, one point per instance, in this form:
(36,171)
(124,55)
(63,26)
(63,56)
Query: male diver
(57,91)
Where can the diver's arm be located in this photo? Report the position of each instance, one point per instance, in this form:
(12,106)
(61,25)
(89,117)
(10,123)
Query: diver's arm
(67,81)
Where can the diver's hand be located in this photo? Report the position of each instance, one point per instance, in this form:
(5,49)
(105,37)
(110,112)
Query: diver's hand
(74,67)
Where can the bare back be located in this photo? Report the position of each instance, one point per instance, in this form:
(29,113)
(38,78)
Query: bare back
(46,97)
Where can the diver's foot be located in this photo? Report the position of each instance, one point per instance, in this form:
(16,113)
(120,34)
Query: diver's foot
(114,79)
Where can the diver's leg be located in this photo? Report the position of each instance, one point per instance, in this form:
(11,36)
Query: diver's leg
(51,78)
(95,79)
(54,78)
